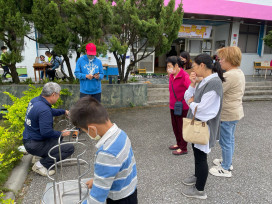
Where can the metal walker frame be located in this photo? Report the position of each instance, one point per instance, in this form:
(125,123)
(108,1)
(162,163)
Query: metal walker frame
(58,187)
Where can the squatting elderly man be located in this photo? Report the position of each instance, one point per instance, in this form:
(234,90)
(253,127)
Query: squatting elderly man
(39,136)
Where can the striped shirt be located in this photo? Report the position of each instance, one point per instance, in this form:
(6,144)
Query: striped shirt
(115,174)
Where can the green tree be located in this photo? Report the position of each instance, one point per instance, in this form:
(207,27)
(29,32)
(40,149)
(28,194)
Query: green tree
(268,39)
(70,25)
(144,26)
(13,27)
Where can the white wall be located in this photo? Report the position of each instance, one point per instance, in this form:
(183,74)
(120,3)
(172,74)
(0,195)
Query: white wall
(222,33)
(235,31)
(248,60)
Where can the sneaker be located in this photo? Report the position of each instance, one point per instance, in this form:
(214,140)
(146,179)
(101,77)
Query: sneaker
(218,162)
(189,181)
(192,192)
(42,170)
(219,171)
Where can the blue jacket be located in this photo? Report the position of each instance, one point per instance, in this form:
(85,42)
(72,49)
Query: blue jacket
(85,67)
(39,120)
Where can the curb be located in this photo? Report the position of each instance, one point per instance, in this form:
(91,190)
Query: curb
(18,176)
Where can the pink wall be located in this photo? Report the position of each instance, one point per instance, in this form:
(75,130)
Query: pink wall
(227,8)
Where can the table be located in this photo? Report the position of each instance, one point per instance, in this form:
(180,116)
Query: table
(262,67)
(39,67)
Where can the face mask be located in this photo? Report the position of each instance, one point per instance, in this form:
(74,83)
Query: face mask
(182,63)
(170,70)
(97,137)
(90,57)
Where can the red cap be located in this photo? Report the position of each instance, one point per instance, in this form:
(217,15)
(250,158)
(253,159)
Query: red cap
(91,49)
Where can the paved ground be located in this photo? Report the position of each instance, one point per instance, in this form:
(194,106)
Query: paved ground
(160,173)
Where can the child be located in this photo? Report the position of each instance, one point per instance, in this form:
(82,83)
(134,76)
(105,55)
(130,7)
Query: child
(115,174)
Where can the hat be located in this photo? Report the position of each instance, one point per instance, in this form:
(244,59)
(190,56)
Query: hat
(91,49)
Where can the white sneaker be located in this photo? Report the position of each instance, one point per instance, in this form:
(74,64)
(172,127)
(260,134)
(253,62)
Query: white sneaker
(219,171)
(218,162)
(42,170)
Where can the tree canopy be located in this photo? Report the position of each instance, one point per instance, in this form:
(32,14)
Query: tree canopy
(13,27)
(268,39)
(144,26)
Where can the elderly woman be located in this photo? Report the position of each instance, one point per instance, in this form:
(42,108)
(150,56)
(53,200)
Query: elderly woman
(207,97)
(178,83)
(232,109)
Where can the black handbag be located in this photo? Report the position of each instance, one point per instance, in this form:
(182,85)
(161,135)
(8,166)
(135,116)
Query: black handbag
(178,105)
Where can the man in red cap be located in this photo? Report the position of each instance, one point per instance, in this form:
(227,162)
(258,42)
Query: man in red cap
(89,71)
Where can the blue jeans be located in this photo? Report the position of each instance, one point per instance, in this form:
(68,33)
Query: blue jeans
(226,142)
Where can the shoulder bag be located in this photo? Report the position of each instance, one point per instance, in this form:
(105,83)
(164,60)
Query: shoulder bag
(178,105)
(196,132)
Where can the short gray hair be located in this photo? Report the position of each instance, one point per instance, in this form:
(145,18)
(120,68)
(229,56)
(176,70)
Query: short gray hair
(50,88)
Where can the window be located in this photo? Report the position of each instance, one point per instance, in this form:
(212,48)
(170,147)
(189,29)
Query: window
(248,38)
(267,50)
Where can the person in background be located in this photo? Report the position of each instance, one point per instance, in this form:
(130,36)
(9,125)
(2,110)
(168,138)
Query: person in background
(39,136)
(42,59)
(115,173)
(89,71)
(3,59)
(178,82)
(232,108)
(186,60)
(55,62)
(207,97)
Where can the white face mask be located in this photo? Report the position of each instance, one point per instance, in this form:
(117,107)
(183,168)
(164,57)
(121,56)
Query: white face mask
(97,137)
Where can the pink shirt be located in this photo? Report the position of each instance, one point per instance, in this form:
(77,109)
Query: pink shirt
(180,84)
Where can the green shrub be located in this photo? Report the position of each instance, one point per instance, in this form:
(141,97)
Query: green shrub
(11,134)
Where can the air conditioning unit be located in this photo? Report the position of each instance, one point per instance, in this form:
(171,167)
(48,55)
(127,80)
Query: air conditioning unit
(146,63)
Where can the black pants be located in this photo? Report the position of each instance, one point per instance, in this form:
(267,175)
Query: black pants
(41,149)
(6,71)
(201,168)
(96,96)
(51,74)
(132,199)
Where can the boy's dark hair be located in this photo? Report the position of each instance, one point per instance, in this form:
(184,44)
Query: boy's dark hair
(86,111)
(47,52)
(207,60)
(4,48)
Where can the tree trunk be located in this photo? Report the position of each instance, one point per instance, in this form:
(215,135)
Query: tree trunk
(77,56)
(14,74)
(67,61)
(128,71)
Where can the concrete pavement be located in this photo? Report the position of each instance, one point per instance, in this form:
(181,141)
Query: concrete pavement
(160,173)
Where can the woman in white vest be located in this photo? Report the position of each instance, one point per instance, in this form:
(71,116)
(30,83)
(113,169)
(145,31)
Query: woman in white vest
(207,97)
(232,108)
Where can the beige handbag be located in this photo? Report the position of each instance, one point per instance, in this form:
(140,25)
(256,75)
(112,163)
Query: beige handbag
(194,131)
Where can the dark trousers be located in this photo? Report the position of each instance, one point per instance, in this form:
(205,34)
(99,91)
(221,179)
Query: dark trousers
(96,96)
(51,74)
(177,122)
(201,168)
(41,149)
(132,199)
(6,71)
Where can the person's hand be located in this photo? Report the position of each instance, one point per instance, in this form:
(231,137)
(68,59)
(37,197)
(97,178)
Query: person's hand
(65,133)
(96,76)
(190,100)
(193,79)
(49,68)
(89,183)
(89,76)
(67,113)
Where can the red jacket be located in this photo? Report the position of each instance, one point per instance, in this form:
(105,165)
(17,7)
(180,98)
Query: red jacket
(180,84)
